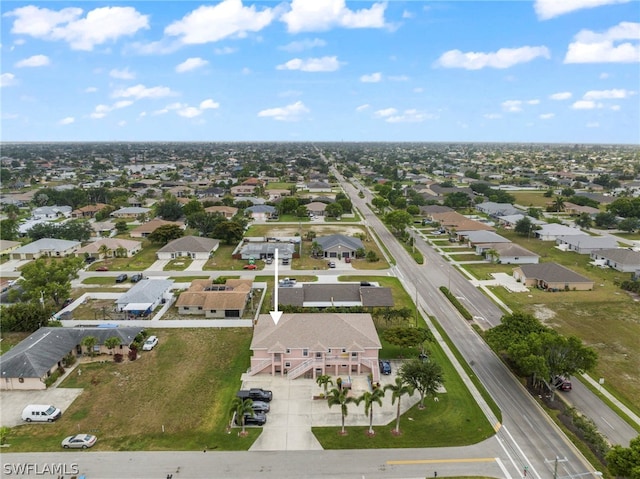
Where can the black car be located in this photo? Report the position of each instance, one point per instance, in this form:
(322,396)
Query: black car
(385,366)
(136,277)
(257,419)
(260,407)
(256,394)
(89,259)
(121,278)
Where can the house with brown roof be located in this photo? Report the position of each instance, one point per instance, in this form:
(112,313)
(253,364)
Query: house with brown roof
(316,208)
(88,211)
(149,227)
(226,211)
(310,345)
(551,277)
(452,220)
(214,300)
(507,253)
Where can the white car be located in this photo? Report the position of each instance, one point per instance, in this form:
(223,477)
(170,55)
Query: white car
(150,343)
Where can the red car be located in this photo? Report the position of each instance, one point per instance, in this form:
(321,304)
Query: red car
(102,268)
(249,266)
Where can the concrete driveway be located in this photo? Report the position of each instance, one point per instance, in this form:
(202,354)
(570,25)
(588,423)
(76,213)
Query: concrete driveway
(13,402)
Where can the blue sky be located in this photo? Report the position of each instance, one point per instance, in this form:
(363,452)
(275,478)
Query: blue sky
(321,70)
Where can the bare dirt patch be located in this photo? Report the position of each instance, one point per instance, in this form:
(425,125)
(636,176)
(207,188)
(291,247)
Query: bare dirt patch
(543,313)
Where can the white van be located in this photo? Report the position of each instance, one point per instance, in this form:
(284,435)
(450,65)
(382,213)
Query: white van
(41,413)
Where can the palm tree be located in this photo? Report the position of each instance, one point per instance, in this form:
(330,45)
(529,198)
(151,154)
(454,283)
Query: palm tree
(399,389)
(338,397)
(375,396)
(104,250)
(558,204)
(240,407)
(89,342)
(323,381)
(112,342)
(493,254)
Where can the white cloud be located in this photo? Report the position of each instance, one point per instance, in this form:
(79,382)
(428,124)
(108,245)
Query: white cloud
(385,113)
(140,91)
(492,116)
(209,104)
(373,78)
(592,47)
(512,106)
(225,51)
(322,15)
(101,110)
(34,61)
(7,79)
(585,105)
(603,76)
(293,112)
(90,89)
(122,74)
(190,112)
(503,58)
(593,124)
(99,26)
(324,64)
(67,121)
(246,71)
(211,23)
(615,107)
(410,116)
(533,102)
(418,90)
(546,9)
(301,45)
(546,116)
(564,95)
(407,14)
(363,107)
(122,123)
(615,94)
(191,64)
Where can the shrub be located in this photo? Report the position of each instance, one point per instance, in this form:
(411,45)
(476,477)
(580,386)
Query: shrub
(118,358)
(133,354)
(461,309)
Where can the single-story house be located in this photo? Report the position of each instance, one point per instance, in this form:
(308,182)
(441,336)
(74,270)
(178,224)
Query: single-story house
(495,210)
(551,276)
(316,208)
(261,212)
(318,187)
(624,260)
(242,190)
(339,246)
(28,364)
(322,295)
(196,247)
(315,344)
(116,248)
(551,231)
(585,244)
(510,221)
(214,300)
(428,210)
(264,250)
(145,296)
(130,212)
(149,227)
(575,210)
(7,246)
(51,212)
(102,229)
(226,211)
(473,238)
(88,211)
(507,253)
(454,221)
(57,248)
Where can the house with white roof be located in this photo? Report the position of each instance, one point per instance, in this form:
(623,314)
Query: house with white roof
(196,247)
(585,244)
(52,247)
(49,213)
(143,298)
(620,259)
(551,231)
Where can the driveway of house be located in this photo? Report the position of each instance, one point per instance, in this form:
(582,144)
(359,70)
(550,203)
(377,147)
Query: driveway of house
(158,265)
(196,265)
(13,402)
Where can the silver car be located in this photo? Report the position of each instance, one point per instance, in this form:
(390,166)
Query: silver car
(79,441)
(260,406)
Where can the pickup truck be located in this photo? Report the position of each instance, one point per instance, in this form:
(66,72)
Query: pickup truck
(256,394)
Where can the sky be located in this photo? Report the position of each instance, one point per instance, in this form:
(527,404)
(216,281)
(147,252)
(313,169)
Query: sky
(544,71)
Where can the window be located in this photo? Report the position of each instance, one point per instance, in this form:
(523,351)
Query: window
(287,351)
(329,350)
(287,364)
(318,355)
(344,350)
(354,355)
(199,308)
(305,352)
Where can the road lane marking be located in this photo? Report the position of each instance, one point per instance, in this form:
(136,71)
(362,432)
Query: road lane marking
(440,461)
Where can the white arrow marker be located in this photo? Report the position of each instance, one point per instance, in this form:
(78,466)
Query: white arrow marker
(275,315)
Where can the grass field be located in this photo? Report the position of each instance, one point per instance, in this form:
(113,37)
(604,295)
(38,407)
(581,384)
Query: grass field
(185,385)
(531,198)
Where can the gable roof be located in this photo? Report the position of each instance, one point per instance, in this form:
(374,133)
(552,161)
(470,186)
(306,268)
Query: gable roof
(482,236)
(331,241)
(196,244)
(335,294)
(303,330)
(512,249)
(151,226)
(35,355)
(145,291)
(111,243)
(588,241)
(552,273)
(47,244)
(620,255)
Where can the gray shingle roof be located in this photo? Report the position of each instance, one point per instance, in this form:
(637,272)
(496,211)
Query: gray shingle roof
(620,256)
(340,294)
(192,244)
(145,291)
(47,244)
(38,353)
(552,273)
(328,242)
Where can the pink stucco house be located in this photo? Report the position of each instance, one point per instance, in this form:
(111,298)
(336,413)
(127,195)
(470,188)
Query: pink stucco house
(309,345)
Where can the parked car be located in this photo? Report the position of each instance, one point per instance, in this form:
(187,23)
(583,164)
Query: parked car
(79,441)
(102,268)
(365,283)
(331,264)
(385,366)
(257,419)
(121,278)
(40,413)
(561,383)
(257,394)
(150,343)
(260,406)
(89,259)
(347,259)
(136,277)
(249,266)
(268,260)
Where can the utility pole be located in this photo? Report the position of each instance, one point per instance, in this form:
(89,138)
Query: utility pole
(555,465)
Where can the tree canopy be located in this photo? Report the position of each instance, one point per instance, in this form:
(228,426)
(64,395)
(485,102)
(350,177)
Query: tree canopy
(49,279)
(424,376)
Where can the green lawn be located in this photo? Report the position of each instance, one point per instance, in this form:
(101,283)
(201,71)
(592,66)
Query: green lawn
(178,264)
(531,198)
(192,408)
(222,260)
(141,261)
(9,340)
